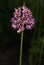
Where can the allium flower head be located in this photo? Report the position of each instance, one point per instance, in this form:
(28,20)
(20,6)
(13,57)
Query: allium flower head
(22,19)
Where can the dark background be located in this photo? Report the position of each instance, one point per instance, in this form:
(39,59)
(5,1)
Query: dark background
(33,42)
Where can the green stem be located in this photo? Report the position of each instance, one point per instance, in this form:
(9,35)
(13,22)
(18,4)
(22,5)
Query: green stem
(21,48)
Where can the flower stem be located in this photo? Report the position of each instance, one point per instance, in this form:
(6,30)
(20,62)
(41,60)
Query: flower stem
(21,48)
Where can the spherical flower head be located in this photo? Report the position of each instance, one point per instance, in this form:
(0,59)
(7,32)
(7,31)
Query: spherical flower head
(22,19)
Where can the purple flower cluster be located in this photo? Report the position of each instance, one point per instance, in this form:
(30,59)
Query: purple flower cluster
(22,19)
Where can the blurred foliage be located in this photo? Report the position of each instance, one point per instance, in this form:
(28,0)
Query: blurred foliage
(37,52)
(37,46)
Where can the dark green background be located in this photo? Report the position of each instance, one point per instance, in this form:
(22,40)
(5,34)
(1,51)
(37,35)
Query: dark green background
(33,43)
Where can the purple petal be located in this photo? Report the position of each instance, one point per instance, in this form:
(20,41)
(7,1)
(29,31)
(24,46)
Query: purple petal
(14,26)
(28,27)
